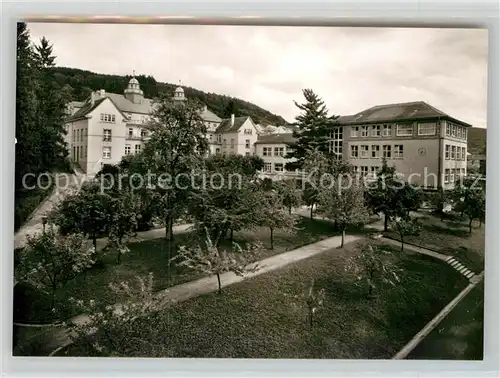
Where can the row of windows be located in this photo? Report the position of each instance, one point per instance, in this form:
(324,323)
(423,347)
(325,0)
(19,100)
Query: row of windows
(106,134)
(336,142)
(110,118)
(217,152)
(268,151)
(386,130)
(454,152)
(456,131)
(247,143)
(248,131)
(450,175)
(278,167)
(79,153)
(128,149)
(366,170)
(79,134)
(375,152)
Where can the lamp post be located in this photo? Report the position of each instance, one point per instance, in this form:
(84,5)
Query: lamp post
(44,222)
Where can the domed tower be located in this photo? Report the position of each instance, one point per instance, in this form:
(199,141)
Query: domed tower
(133,91)
(179,94)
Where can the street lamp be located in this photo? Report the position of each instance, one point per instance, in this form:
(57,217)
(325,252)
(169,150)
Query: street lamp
(44,222)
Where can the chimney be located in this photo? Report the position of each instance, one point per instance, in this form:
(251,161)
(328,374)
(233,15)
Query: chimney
(232,120)
(92,98)
(102,93)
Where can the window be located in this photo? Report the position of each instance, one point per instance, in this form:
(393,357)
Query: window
(446,176)
(373,171)
(74,153)
(404,130)
(463,153)
(356,169)
(398,151)
(106,152)
(336,143)
(108,118)
(465,133)
(447,152)
(247,143)
(266,151)
(217,150)
(210,137)
(375,151)
(247,131)
(219,138)
(364,131)
(354,131)
(426,129)
(278,167)
(137,148)
(127,149)
(232,143)
(375,130)
(387,130)
(448,129)
(144,133)
(84,151)
(81,135)
(452,175)
(453,152)
(279,151)
(387,151)
(267,167)
(224,143)
(106,135)
(463,171)
(74,135)
(130,132)
(77,135)
(364,151)
(354,151)
(453,131)
(364,170)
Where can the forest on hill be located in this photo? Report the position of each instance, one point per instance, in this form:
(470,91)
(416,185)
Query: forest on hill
(79,83)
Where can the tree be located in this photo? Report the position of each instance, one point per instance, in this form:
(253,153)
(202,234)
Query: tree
(469,197)
(371,265)
(230,109)
(124,329)
(174,154)
(50,260)
(439,200)
(405,226)
(391,195)
(274,215)
(124,219)
(345,204)
(212,260)
(315,300)
(290,194)
(89,211)
(314,128)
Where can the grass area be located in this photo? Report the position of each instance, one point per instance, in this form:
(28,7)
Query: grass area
(27,200)
(266,316)
(460,335)
(150,256)
(451,237)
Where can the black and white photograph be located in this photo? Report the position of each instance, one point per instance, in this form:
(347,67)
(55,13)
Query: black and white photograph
(249,191)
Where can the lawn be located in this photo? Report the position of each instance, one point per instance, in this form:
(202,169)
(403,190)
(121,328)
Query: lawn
(266,316)
(460,335)
(150,256)
(451,237)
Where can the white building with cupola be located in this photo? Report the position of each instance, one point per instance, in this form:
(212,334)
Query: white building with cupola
(107,126)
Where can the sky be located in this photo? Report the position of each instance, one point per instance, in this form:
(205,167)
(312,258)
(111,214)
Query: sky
(350,68)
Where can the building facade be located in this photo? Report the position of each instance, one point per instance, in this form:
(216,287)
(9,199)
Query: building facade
(427,147)
(273,149)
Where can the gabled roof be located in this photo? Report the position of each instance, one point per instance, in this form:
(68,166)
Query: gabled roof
(286,138)
(89,107)
(209,116)
(397,112)
(226,127)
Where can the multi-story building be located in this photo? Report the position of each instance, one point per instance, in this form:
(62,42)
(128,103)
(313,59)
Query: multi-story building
(108,126)
(236,136)
(426,146)
(273,149)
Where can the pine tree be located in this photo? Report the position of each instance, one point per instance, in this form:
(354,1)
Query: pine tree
(315,126)
(51,110)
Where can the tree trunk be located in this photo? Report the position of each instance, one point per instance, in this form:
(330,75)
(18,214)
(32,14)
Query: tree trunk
(169,228)
(470,225)
(386,222)
(311,212)
(94,241)
(219,291)
(272,238)
(402,244)
(343,237)
(290,209)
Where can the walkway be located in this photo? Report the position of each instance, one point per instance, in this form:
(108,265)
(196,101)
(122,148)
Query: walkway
(67,183)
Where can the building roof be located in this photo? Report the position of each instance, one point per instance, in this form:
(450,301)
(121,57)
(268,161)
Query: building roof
(225,125)
(286,138)
(398,112)
(209,116)
(85,109)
